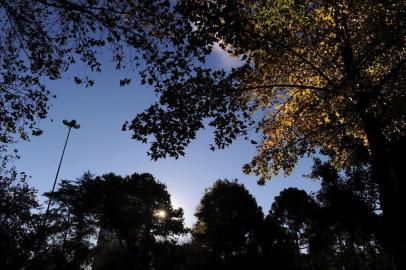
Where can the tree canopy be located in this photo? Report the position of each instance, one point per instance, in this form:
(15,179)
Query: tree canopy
(298,63)
(42,39)
(321,76)
(113,221)
(228,224)
(109,220)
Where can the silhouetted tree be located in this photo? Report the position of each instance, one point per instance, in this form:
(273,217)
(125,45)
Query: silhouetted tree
(18,218)
(348,225)
(42,39)
(295,210)
(171,256)
(228,222)
(279,249)
(124,216)
(70,230)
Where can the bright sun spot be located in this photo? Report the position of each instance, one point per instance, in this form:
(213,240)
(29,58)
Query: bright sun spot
(160,214)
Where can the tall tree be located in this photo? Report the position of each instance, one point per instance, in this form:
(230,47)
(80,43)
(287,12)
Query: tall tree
(228,223)
(296,210)
(279,249)
(320,73)
(126,214)
(348,226)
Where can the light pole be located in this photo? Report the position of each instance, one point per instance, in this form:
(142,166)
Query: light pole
(70,124)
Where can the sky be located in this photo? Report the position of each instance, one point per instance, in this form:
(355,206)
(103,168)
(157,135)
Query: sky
(100,146)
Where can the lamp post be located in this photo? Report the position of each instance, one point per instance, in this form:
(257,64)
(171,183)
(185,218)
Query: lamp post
(69,124)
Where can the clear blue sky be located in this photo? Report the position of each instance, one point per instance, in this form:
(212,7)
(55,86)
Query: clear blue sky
(101,147)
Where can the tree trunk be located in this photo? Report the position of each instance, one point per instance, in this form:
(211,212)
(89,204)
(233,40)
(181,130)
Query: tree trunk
(389,170)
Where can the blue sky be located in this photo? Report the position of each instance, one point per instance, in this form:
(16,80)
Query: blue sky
(101,147)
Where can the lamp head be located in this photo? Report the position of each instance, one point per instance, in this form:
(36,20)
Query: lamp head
(71,124)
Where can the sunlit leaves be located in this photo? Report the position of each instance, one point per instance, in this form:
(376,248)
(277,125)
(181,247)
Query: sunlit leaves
(312,71)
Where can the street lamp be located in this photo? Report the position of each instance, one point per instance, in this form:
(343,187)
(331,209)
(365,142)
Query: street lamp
(70,124)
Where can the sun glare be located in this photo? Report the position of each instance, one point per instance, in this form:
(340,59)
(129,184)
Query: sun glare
(161,214)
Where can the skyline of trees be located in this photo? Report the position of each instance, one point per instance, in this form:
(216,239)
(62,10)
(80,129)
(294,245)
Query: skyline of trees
(101,221)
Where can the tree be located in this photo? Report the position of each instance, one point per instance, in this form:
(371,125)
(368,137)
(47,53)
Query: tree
(127,215)
(18,218)
(348,226)
(320,74)
(228,223)
(278,248)
(43,39)
(295,210)
(68,234)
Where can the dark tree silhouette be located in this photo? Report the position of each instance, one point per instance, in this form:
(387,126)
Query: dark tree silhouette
(109,221)
(278,247)
(42,39)
(18,219)
(228,222)
(337,229)
(295,210)
(171,256)
(348,225)
(128,222)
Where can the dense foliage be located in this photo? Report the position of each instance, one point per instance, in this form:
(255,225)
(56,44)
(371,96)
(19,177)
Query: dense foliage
(18,221)
(108,221)
(128,222)
(228,225)
(315,76)
(337,228)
